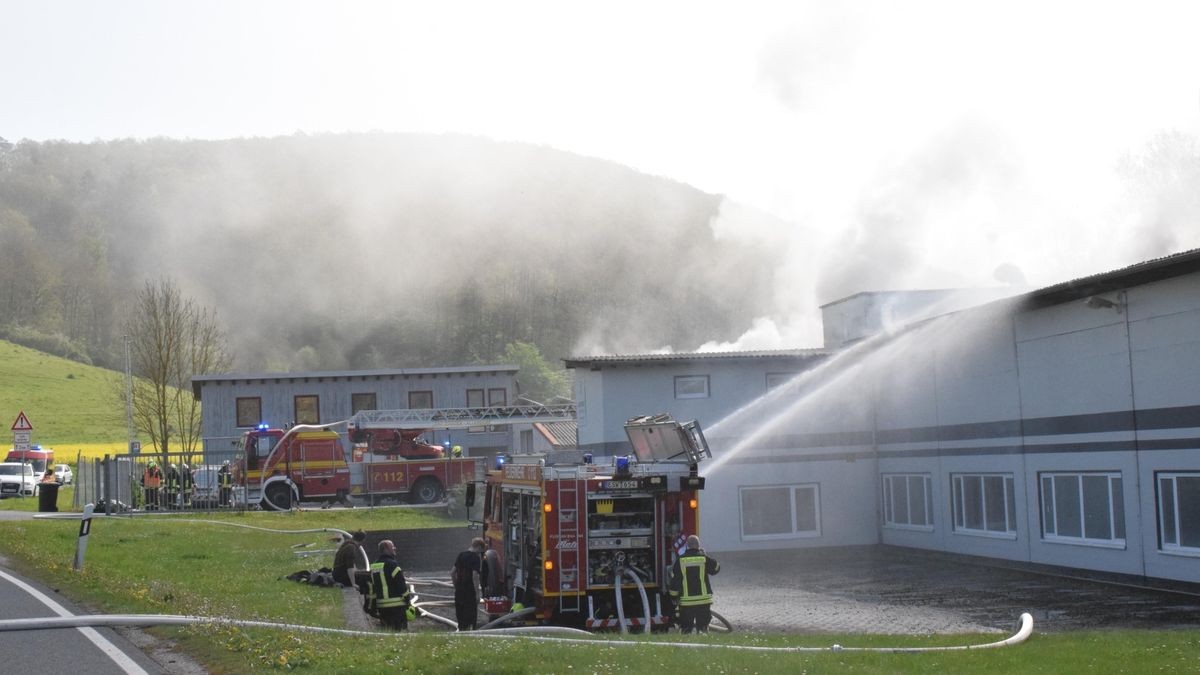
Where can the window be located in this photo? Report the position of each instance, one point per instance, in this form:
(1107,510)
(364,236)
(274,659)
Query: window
(497,397)
(908,501)
(306,408)
(420,400)
(984,504)
(362,402)
(475,400)
(782,511)
(249,412)
(691,386)
(1083,508)
(1179,512)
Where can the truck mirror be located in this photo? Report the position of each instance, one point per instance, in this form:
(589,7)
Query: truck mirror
(470,500)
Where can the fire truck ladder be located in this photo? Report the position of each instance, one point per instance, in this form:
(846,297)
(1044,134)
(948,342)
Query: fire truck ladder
(460,418)
(568,577)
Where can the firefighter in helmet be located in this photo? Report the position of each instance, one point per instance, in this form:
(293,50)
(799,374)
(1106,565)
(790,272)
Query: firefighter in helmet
(172,491)
(224,484)
(690,587)
(151,482)
(186,483)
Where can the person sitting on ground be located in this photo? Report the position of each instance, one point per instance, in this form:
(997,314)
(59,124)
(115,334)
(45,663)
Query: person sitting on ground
(347,557)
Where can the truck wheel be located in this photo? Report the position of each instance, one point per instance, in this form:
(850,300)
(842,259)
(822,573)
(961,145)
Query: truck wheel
(278,498)
(427,491)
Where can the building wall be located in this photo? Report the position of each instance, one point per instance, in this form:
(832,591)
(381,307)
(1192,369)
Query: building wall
(990,403)
(219,415)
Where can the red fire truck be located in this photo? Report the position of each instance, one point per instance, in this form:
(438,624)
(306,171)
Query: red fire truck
(278,468)
(387,458)
(589,542)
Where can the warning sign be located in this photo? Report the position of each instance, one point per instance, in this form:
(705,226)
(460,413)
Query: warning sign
(22,423)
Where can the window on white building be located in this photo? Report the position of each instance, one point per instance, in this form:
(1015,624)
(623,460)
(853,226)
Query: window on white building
(1086,508)
(779,379)
(780,511)
(908,501)
(984,504)
(1179,512)
(691,386)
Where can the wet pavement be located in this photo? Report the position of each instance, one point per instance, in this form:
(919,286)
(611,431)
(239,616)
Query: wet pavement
(889,590)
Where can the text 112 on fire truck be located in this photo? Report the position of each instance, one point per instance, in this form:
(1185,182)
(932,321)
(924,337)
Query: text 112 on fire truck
(589,542)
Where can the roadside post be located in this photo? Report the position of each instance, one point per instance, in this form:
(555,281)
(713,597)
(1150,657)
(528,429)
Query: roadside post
(85,527)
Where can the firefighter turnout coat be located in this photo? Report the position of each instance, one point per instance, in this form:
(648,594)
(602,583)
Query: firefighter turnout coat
(690,583)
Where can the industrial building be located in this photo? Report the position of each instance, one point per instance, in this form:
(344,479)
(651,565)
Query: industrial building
(1059,426)
(236,402)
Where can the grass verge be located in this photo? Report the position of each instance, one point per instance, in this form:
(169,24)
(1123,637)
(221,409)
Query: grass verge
(166,564)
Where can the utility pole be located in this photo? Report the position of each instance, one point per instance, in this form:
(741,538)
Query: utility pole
(129,393)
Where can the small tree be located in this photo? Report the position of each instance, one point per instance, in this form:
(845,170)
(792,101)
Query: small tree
(171,339)
(538,380)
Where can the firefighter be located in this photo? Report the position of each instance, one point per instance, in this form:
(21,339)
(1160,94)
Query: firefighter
(172,491)
(224,484)
(151,482)
(465,575)
(456,451)
(389,588)
(186,482)
(346,558)
(690,587)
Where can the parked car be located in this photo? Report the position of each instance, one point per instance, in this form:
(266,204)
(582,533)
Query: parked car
(206,491)
(17,479)
(63,473)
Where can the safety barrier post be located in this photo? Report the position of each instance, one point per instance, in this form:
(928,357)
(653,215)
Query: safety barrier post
(85,527)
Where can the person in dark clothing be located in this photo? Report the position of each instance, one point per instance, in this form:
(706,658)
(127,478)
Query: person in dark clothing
(224,484)
(466,577)
(690,587)
(390,588)
(347,558)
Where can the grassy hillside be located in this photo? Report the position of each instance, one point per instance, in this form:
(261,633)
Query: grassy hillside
(69,404)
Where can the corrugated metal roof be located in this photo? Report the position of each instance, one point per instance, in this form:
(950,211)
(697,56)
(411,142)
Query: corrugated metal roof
(562,434)
(198,380)
(683,357)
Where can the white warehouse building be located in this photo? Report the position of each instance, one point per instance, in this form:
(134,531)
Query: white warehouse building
(1058,427)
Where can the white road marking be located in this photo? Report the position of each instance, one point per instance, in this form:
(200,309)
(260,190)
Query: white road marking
(118,657)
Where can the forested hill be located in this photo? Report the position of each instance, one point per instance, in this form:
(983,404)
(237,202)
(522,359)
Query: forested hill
(366,250)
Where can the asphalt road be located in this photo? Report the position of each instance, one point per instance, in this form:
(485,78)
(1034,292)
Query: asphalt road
(96,651)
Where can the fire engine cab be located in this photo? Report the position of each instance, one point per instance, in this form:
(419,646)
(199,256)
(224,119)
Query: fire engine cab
(589,541)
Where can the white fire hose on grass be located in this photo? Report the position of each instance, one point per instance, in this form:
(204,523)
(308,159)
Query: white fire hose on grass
(525,633)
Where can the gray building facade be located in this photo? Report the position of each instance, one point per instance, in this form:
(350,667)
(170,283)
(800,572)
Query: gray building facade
(233,403)
(1060,426)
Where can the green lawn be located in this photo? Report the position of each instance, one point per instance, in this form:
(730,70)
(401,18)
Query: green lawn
(166,564)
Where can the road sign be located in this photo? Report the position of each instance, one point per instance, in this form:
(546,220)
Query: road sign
(21,441)
(22,423)
(135,447)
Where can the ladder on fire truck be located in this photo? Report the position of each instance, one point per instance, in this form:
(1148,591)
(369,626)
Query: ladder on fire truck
(461,418)
(569,577)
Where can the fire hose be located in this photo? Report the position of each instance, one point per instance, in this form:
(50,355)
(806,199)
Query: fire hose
(528,633)
(147,620)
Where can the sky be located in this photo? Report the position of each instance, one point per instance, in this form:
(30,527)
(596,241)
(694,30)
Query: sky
(914,144)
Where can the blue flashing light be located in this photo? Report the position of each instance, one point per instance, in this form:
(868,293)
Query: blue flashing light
(500,459)
(587,458)
(263,426)
(623,464)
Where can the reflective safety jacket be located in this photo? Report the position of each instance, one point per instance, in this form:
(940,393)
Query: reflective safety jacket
(388,584)
(689,578)
(224,477)
(151,477)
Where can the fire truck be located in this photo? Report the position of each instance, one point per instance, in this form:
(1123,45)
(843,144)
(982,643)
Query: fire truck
(386,458)
(589,542)
(37,456)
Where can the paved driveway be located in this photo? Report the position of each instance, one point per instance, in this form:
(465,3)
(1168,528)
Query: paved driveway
(895,590)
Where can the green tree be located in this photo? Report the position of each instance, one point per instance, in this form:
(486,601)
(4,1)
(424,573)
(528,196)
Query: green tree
(537,379)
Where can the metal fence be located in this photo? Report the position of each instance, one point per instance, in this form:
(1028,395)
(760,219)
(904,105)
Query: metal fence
(125,483)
